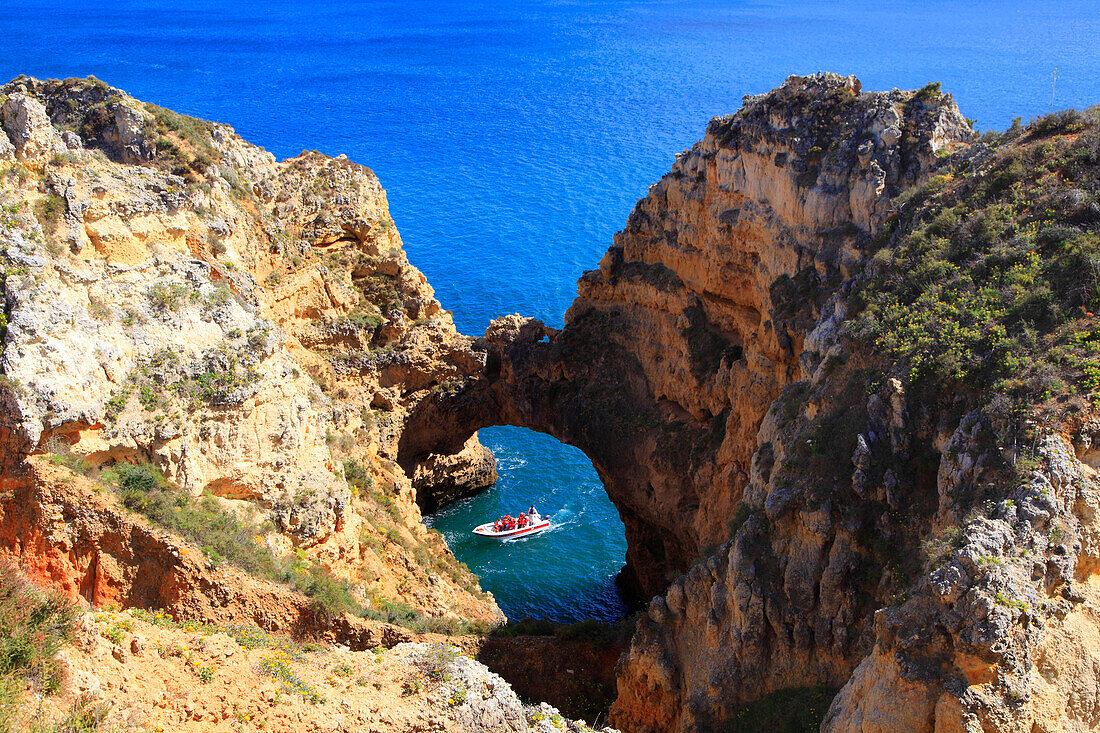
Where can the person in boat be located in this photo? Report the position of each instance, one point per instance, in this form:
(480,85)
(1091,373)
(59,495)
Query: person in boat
(533,515)
(522,522)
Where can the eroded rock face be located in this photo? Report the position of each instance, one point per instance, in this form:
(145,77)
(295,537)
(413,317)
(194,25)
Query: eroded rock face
(175,295)
(842,521)
(694,323)
(1000,634)
(441,479)
(883,545)
(65,533)
(31,136)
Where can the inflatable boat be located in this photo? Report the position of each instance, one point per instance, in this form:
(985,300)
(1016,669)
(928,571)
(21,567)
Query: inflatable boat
(509,526)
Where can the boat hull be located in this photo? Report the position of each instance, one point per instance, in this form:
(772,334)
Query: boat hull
(486,530)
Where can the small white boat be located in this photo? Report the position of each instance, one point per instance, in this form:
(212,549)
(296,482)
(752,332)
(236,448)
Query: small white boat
(507,526)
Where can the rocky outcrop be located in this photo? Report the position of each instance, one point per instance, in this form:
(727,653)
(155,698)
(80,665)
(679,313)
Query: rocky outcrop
(694,323)
(842,529)
(1000,634)
(442,479)
(575,674)
(175,295)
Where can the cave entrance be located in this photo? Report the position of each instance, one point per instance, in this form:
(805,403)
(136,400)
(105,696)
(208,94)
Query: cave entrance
(566,574)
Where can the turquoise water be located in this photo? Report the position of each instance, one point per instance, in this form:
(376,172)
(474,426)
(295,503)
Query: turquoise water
(514,137)
(551,574)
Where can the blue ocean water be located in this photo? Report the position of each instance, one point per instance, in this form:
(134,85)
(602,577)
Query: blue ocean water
(514,137)
(565,573)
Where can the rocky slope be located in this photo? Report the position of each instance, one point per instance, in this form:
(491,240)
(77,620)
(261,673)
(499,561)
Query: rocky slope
(252,328)
(136,670)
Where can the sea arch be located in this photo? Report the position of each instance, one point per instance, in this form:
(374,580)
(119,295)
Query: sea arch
(581,388)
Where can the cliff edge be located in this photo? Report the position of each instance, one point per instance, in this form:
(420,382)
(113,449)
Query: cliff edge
(247,332)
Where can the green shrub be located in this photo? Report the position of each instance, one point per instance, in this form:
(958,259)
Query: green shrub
(49,211)
(930,90)
(400,613)
(600,633)
(938,549)
(205,673)
(34,626)
(381,291)
(739,517)
(218,532)
(164,297)
(358,477)
(184,145)
(436,661)
(99,309)
(1066,121)
(369,320)
(329,597)
(993,281)
(390,507)
(143,478)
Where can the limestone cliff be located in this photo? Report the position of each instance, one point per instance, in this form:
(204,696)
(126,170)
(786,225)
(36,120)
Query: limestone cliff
(175,295)
(832,445)
(695,320)
(903,531)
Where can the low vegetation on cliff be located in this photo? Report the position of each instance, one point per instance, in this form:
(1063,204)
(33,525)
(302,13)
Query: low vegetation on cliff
(991,276)
(221,534)
(226,537)
(34,626)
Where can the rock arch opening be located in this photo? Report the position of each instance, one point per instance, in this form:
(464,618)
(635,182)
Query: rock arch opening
(565,574)
(589,392)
